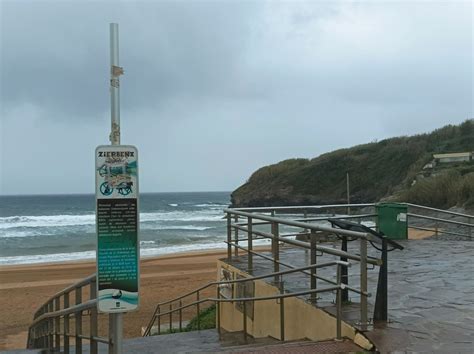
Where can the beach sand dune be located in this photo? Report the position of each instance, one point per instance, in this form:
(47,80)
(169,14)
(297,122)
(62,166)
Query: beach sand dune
(24,288)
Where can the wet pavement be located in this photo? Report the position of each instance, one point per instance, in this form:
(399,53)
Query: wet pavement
(430,287)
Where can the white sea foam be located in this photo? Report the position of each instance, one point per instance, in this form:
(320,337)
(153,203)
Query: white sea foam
(85,255)
(11,222)
(147,242)
(46,221)
(173,205)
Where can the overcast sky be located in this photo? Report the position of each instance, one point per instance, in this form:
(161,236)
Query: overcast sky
(214,90)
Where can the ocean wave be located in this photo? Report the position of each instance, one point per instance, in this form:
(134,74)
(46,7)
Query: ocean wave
(46,221)
(11,222)
(90,255)
(176,227)
(206,205)
(173,205)
(144,252)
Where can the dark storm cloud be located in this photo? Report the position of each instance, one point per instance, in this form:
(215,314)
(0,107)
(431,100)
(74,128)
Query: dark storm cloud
(55,54)
(214,90)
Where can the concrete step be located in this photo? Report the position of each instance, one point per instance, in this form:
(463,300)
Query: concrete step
(207,341)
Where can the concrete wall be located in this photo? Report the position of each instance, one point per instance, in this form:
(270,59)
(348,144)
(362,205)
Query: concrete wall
(302,320)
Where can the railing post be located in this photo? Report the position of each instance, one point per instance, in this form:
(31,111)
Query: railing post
(171,317)
(57,325)
(180,316)
(313,271)
(344,274)
(275,250)
(244,316)
(381,303)
(51,326)
(282,313)
(78,320)
(93,320)
(66,324)
(363,283)
(250,245)
(159,320)
(198,310)
(229,237)
(339,303)
(218,311)
(236,233)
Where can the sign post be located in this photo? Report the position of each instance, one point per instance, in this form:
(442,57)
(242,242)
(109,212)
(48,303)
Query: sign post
(117,216)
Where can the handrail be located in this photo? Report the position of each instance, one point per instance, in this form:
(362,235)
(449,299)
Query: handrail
(46,330)
(303,225)
(303,207)
(307,245)
(83,282)
(268,275)
(439,210)
(442,220)
(70,310)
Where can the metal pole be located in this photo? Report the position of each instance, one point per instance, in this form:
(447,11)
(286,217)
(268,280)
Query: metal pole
(282,313)
(236,232)
(339,303)
(115,72)
(250,245)
(344,275)
(363,283)
(117,332)
(115,319)
(229,237)
(276,250)
(313,260)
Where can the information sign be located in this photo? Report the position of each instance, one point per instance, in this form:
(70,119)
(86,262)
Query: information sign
(117,225)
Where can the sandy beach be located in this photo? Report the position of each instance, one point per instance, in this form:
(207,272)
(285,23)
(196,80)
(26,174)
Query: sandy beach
(25,287)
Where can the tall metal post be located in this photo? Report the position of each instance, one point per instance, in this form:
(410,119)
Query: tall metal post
(344,274)
(276,250)
(313,260)
(250,245)
(363,283)
(115,72)
(116,332)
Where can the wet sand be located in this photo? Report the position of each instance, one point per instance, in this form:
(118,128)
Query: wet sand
(24,288)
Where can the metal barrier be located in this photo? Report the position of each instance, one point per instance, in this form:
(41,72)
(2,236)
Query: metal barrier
(339,286)
(51,327)
(52,321)
(253,220)
(440,222)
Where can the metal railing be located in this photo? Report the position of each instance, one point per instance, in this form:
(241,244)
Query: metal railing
(441,223)
(339,286)
(51,327)
(249,227)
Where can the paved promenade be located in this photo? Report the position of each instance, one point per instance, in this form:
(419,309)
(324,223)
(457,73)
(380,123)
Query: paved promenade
(431,293)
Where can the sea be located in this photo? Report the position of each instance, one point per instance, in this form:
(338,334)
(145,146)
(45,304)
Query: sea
(56,228)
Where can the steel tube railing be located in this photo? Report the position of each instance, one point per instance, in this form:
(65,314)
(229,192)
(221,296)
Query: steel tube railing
(439,219)
(157,315)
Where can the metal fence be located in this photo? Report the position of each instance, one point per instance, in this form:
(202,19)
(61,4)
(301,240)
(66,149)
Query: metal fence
(67,319)
(338,287)
(62,318)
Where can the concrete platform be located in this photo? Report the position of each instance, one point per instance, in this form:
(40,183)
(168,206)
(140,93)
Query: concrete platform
(431,302)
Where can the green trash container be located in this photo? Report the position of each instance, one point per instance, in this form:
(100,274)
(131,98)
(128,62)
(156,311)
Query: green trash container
(392,220)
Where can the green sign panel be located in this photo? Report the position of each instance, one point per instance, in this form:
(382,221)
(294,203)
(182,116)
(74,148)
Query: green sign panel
(118,253)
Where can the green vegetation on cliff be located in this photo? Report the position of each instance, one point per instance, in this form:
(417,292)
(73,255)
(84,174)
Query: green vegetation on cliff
(377,170)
